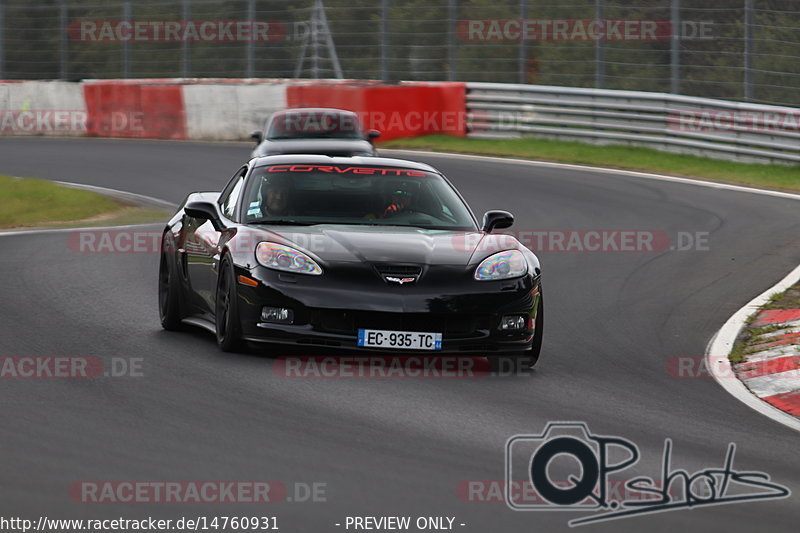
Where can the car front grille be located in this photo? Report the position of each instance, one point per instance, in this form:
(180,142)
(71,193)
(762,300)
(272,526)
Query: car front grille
(398,271)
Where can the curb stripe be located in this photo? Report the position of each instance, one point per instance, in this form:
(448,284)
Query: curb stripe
(776,316)
(774,353)
(778,365)
(785,329)
(781,340)
(774,383)
(789,402)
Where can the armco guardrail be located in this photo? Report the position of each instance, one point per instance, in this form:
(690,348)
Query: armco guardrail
(703,126)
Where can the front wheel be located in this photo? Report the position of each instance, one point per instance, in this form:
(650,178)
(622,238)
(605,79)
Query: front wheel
(538,334)
(168,291)
(229,329)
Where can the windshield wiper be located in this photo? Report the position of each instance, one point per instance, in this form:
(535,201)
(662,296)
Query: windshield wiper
(385,225)
(282,222)
(312,136)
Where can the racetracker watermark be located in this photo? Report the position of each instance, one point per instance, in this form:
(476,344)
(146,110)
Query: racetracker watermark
(316,122)
(205,241)
(202,241)
(527,30)
(114,241)
(346,367)
(514,30)
(65,367)
(210,492)
(696,367)
(720,120)
(588,241)
(159,31)
(589,459)
(520,490)
(43,121)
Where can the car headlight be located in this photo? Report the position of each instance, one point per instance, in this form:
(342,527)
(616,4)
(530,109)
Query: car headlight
(286,258)
(502,265)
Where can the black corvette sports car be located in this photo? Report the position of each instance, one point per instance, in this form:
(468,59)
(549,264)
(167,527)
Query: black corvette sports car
(352,253)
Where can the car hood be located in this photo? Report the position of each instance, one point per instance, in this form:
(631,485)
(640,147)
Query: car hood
(331,147)
(400,245)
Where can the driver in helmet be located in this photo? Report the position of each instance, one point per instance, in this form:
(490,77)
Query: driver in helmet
(275,196)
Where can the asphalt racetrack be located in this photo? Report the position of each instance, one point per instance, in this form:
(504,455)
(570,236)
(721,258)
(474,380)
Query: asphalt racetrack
(615,323)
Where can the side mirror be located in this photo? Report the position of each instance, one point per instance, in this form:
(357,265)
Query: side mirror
(372,135)
(497,220)
(204,211)
(257,136)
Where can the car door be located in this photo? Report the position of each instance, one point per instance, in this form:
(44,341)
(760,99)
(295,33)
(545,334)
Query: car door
(202,246)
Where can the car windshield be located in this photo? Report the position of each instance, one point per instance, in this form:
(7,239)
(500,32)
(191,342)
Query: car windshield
(363,195)
(314,125)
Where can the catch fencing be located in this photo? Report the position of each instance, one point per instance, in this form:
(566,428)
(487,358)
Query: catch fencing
(746,50)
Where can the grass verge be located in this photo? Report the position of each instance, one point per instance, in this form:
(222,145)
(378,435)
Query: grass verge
(781,177)
(29,202)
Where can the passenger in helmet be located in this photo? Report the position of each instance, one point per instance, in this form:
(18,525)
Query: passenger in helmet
(400,201)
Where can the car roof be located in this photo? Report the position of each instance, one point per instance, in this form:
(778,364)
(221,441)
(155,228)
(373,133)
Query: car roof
(312,110)
(352,161)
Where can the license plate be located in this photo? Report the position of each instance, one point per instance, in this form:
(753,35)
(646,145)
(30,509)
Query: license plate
(407,340)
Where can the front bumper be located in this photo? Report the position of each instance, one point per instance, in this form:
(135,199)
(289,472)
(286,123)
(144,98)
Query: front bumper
(329,312)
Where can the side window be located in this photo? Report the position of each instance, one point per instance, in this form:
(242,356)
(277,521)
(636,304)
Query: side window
(231,194)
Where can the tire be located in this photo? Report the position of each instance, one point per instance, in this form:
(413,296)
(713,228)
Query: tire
(169,298)
(522,360)
(226,311)
(538,335)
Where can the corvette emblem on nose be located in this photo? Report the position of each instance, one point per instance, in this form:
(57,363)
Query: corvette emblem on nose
(399,281)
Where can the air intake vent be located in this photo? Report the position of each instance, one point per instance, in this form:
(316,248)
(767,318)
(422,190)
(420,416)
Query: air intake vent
(398,270)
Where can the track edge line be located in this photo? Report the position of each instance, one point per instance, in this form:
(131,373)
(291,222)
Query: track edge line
(612,171)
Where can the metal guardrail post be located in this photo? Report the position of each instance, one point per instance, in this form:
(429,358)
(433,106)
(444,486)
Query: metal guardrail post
(249,47)
(186,50)
(2,40)
(675,48)
(63,43)
(385,41)
(748,49)
(126,47)
(522,76)
(599,50)
(452,13)
(315,29)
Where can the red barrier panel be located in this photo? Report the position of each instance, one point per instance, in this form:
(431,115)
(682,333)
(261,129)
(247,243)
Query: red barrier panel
(395,110)
(124,109)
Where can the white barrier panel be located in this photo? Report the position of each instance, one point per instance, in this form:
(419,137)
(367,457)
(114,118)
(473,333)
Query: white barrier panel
(42,108)
(230,111)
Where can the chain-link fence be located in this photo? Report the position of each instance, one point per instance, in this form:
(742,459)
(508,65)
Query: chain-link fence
(734,49)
